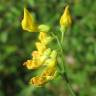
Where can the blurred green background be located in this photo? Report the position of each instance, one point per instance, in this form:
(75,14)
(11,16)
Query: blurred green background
(16,46)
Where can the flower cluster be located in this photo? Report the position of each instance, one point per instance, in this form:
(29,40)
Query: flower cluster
(42,56)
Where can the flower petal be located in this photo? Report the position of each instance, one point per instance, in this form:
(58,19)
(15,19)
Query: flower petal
(32,64)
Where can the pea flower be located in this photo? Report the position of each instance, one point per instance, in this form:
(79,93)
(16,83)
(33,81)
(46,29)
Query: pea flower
(28,23)
(40,47)
(44,38)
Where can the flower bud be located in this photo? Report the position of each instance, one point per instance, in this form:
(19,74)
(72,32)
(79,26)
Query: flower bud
(53,54)
(43,28)
(65,20)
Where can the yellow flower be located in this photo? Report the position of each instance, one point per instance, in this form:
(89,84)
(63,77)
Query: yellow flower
(46,76)
(37,59)
(51,63)
(34,62)
(45,56)
(35,55)
(66,20)
(31,64)
(44,38)
(38,80)
(28,23)
(40,47)
(49,73)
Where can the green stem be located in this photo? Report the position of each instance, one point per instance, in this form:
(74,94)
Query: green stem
(67,83)
(63,30)
(70,88)
(60,46)
(64,67)
(25,3)
(62,36)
